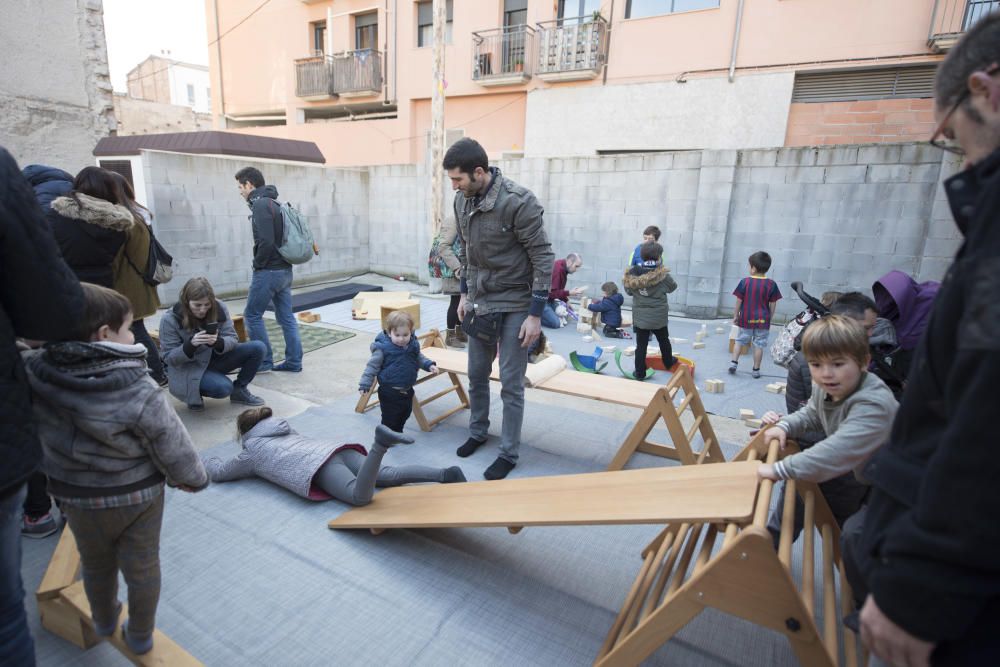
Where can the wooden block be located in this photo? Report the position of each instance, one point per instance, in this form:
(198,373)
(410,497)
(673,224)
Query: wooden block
(773,388)
(720,330)
(699,336)
(241,328)
(698,346)
(363,302)
(583,327)
(715,386)
(746,413)
(305,316)
(61,619)
(629,351)
(410,306)
(678,341)
(752,423)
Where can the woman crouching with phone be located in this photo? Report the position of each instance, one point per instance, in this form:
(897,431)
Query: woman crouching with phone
(200,346)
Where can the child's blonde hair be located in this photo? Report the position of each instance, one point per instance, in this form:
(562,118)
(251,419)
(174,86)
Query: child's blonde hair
(834,336)
(250,418)
(397,319)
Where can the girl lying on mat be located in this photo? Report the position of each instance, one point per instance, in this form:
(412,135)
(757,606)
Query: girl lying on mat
(318,469)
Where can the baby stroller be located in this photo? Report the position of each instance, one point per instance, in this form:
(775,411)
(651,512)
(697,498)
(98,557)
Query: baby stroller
(889,361)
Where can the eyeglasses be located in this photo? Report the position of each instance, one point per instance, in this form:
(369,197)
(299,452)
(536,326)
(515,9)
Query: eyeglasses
(942,142)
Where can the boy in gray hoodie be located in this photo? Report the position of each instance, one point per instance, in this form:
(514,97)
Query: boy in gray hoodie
(853,407)
(110,440)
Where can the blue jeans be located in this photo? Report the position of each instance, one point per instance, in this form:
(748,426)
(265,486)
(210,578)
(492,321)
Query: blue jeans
(16,645)
(275,285)
(245,356)
(513,363)
(549,317)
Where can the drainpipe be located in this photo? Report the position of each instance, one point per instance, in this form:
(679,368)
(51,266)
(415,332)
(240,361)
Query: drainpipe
(218,51)
(328,45)
(736,42)
(611,17)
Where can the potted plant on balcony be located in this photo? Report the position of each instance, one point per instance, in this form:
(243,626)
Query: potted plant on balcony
(518,64)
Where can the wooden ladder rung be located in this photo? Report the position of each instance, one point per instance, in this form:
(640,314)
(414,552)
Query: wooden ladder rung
(443,392)
(694,427)
(703,454)
(684,404)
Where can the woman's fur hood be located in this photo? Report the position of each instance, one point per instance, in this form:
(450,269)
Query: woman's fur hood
(94,211)
(639,278)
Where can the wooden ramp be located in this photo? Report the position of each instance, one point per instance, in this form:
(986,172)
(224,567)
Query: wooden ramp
(65,612)
(657,403)
(652,495)
(680,576)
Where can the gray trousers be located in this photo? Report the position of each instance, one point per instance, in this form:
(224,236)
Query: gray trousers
(126,539)
(845,495)
(513,364)
(351,476)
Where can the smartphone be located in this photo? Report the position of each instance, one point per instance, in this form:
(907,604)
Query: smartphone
(212,328)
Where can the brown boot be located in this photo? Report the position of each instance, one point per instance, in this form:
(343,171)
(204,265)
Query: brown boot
(451,340)
(460,335)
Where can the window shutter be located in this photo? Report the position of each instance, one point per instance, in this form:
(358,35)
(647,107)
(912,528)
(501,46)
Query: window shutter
(871,84)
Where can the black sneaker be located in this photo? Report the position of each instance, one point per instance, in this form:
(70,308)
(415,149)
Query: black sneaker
(196,407)
(242,396)
(732,368)
(499,469)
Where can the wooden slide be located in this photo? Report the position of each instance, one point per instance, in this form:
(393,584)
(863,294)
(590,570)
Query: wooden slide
(652,495)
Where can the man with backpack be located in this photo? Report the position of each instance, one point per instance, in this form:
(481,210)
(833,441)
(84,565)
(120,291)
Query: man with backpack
(272,272)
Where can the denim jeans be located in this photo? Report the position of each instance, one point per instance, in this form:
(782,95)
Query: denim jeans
(127,538)
(549,318)
(38,503)
(245,356)
(16,645)
(266,286)
(513,363)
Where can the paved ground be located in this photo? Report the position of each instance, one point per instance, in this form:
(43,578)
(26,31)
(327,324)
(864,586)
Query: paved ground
(332,372)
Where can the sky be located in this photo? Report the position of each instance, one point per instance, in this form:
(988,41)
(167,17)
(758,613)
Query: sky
(136,29)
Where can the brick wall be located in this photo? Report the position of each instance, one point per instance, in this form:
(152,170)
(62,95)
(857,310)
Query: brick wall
(863,122)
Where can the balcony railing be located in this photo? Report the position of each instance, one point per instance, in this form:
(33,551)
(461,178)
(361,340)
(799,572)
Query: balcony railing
(503,56)
(314,78)
(357,73)
(572,49)
(951,18)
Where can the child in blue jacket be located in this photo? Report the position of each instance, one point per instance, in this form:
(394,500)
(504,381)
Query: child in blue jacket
(610,308)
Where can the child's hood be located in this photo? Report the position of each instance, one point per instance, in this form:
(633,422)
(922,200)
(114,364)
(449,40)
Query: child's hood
(77,366)
(616,299)
(641,277)
(271,427)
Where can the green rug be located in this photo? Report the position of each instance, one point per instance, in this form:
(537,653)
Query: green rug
(312,337)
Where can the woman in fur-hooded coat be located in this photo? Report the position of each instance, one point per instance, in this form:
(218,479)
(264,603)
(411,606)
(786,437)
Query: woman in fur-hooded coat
(90,225)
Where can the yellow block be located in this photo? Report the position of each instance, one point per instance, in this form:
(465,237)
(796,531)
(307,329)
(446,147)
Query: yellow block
(410,306)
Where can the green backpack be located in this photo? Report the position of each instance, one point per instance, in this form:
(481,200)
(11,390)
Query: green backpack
(296,245)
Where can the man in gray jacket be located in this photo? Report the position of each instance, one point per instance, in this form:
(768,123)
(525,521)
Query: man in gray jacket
(506,273)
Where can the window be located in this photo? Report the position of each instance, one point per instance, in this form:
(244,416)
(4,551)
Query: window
(366,31)
(319,37)
(515,12)
(572,9)
(425,23)
(637,9)
(190,92)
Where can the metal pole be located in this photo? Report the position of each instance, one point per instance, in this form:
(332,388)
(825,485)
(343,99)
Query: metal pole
(437,118)
(736,42)
(220,121)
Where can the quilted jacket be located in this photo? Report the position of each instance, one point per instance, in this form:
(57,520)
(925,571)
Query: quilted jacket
(275,451)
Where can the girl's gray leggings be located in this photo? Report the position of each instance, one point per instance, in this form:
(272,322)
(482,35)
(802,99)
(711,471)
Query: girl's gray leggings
(351,476)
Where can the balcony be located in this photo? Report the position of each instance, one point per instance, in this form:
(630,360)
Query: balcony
(503,57)
(357,73)
(314,78)
(572,49)
(951,18)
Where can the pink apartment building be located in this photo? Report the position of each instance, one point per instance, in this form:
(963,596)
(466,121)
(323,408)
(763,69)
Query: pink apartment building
(582,77)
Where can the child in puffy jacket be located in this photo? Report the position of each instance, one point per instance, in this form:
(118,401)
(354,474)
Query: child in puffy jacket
(111,439)
(610,308)
(318,469)
(395,360)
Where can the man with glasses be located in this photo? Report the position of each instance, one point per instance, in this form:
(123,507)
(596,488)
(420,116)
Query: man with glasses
(927,561)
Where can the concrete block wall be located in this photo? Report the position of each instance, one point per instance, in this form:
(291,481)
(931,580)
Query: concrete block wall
(399,231)
(203,222)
